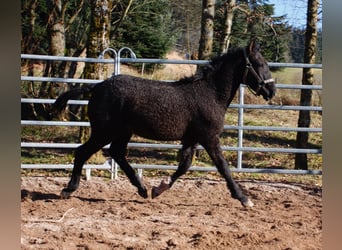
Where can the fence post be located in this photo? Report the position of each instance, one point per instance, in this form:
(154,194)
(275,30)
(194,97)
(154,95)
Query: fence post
(88,174)
(240,125)
(115,169)
(140,173)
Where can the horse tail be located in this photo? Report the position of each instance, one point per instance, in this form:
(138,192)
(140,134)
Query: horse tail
(61,102)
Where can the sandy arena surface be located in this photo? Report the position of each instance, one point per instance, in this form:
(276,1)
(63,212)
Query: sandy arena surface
(196,213)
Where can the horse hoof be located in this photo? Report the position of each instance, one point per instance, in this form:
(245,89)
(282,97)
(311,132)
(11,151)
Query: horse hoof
(247,203)
(65,194)
(155,192)
(143,193)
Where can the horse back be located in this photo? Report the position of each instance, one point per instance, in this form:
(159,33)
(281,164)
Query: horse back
(152,109)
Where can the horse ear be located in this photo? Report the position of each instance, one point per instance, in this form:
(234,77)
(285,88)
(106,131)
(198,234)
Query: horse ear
(253,46)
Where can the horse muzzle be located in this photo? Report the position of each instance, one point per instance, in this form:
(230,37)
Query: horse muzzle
(267,89)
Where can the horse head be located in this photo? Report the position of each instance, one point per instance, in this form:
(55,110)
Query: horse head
(257,75)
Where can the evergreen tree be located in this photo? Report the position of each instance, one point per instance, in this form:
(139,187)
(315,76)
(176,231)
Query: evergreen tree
(186,17)
(147,30)
(34,32)
(151,28)
(297,45)
(319,46)
(255,19)
(36,16)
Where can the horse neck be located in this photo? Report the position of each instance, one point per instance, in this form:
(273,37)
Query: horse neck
(227,79)
(233,91)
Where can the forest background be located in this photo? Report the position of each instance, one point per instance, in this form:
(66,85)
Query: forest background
(152,28)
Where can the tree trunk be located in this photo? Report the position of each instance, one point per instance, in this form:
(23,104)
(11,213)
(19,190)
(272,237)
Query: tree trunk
(227,30)
(207,30)
(57,48)
(98,40)
(57,37)
(28,44)
(307,79)
(28,111)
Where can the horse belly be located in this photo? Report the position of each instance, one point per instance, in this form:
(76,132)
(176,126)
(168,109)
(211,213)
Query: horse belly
(158,121)
(159,129)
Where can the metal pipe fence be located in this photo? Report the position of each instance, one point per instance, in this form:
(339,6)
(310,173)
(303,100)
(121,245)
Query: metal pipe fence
(240,127)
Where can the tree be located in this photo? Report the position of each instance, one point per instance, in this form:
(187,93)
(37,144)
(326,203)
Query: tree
(186,24)
(44,27)
(56,31)
(229,7)
(98,37)
(34,19)
(147,28)
(98,40)
(207,30)
(319,46)
(307,79)
(236,22)
(297,45)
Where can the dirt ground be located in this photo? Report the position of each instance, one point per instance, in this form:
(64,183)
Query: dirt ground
(196,213)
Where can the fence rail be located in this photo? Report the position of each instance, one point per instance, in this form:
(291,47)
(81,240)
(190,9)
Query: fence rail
(240,127)
(155,61)
(225,127)
(174,146)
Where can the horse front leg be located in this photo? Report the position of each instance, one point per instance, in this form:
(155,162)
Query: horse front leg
(214,150)
(187,153)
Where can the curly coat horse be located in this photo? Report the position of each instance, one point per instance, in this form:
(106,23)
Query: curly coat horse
(191,110)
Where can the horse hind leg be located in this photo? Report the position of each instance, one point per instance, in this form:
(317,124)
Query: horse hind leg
(118,151)
(82,154)
(187,153)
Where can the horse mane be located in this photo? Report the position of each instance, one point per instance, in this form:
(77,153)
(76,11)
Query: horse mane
(232,55)
(188,79)
(214,65)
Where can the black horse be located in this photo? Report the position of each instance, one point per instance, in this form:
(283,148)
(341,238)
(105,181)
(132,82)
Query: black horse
(191,110)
